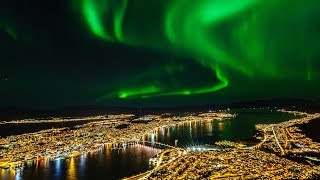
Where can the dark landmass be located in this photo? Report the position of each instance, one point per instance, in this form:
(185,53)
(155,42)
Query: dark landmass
(16,113)
(13,113)
(311,129)
(16,129)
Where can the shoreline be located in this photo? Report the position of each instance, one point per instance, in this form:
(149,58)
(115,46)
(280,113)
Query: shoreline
(87,138)
(188,164)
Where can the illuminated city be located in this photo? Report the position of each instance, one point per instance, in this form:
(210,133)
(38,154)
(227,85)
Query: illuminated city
(65,143)
(272,157)
(159,89)
(243,162)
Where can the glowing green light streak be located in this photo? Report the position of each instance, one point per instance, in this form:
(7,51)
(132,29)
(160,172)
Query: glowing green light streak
(251,38)
(197,23)
(152,91)
(118,20)
(202,90)
(92,16)
(98,11)
(138,92)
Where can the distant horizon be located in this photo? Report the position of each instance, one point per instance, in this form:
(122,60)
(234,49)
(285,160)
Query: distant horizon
(279,100)
(157,53)
(159,89)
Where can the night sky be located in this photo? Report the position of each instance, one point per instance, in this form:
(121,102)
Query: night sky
(157,52)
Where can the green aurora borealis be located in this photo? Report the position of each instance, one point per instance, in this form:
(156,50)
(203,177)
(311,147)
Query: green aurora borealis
(251,37)
(212,50)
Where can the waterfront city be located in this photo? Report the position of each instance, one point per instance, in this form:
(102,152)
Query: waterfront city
(274,155)
(241,162)
(117,132)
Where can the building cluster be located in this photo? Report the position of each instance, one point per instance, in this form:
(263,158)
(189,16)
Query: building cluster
(66,119)
(245,162)
(230,163)
(229,144)
(70,142)
(286,139)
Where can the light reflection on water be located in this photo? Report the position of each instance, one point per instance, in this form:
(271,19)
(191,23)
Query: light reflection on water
(107,164)
(114,164)
(205,132)
(72,169)
(57,166)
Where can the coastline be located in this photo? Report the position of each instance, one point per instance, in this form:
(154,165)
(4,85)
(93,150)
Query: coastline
(88,138)
(225,161)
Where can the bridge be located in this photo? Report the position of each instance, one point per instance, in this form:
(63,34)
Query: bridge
(120,146)
(156,143)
